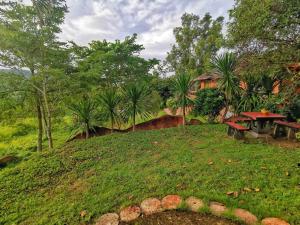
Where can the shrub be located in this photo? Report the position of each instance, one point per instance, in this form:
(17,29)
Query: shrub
(209,102)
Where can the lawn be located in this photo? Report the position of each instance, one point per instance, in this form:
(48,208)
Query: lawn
(104,174)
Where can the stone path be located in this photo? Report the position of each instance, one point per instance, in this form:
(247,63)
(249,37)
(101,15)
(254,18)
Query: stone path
(172,202)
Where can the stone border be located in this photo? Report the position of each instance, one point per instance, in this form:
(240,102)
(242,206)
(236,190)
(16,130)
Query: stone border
(172,202)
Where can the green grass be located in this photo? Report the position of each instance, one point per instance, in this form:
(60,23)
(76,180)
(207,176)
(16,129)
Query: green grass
(20,138)
(106,173)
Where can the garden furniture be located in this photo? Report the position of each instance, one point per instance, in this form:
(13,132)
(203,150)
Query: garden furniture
(261,123)
(236,130)
(282,125)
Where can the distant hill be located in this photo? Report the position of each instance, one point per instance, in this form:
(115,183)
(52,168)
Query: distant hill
(15,71)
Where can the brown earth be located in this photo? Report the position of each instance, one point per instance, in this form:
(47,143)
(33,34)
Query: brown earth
(162,122)
(180,218)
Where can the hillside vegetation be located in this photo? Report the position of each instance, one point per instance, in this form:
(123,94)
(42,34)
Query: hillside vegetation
(103,174)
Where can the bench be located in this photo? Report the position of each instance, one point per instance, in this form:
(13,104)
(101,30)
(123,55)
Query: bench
(236,130)
(292,128)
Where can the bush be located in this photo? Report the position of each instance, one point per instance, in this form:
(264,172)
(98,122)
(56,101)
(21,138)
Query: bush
(172,105)
(209,102)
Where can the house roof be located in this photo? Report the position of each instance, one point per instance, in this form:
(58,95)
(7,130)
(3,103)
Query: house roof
(294,67)
(208,76)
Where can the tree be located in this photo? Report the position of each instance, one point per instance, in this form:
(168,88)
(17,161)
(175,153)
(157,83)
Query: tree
(224,64)
(209,102)
(182,86)
(197,41)
(86,111)
(115,63)
(134,102)
(109,101)
(27,35)
(265,35)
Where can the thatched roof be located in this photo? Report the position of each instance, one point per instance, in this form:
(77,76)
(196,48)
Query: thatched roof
(208,76)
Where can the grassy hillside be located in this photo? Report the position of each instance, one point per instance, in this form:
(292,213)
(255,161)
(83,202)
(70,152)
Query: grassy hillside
(105,173)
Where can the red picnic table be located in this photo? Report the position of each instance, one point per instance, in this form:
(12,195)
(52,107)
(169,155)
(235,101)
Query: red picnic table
(261,123)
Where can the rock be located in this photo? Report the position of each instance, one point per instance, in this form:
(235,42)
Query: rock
(108,219)
(194,204)
(130,213)
(274,221)
(245,216)
(171,202)
(151,205)
(217,208)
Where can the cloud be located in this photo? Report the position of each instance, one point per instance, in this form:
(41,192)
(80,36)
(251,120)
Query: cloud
(152,20)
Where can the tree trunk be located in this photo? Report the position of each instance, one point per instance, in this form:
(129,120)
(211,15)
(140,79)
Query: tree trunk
(112,123)
(39,116)
(87,131)
(49,118)
(133,127)
(183,115)
(40,124)
(225,113)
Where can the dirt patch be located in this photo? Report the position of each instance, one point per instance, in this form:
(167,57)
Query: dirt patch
(180,218)
(162,122)
(283,143)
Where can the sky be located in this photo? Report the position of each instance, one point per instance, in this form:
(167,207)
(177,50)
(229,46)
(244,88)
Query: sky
(152,20)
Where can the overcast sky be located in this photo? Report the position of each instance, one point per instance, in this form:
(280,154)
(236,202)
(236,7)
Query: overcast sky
(152,20)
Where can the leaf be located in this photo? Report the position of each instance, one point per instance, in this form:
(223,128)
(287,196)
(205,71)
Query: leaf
(247,189)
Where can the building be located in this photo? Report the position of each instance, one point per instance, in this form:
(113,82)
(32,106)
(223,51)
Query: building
(206,80)
(210,80)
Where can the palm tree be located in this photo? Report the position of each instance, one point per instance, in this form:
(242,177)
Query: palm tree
(229,84)
(109,100)
(134,96)
(85,110)
(182,87)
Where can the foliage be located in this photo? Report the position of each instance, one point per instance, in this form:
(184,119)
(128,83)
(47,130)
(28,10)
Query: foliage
(134,102)
(90,175)
(265,34)
(182,86)
(164,86)
(208,102)
(114,63)
(224,64)
(85,110)
(109,101)
(28,40)
(172,104)
(197,41)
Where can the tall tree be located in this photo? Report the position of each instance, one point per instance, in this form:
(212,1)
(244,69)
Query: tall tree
(266,35)
(115,63)
(27,36)
(197,40)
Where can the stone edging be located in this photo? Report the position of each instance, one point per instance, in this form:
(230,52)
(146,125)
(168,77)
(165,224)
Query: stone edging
(172,202)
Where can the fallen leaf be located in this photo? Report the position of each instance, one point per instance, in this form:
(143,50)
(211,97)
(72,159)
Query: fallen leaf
(257,189)
(210,163)
(287,173)
(230,193)
(130,197)
(236,194)
(247,189)
(83,213)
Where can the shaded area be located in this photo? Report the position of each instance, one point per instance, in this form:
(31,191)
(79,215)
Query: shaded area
(162,122)
(180,218)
